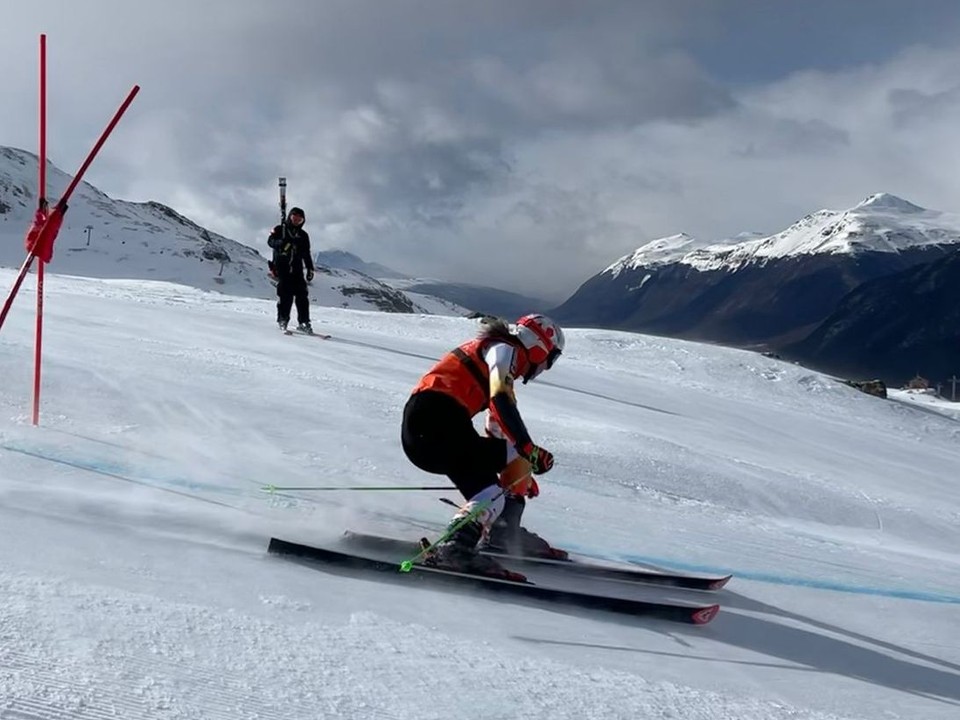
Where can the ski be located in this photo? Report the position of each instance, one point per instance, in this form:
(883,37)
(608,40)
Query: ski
(582,567)
(675,612)
(321,336)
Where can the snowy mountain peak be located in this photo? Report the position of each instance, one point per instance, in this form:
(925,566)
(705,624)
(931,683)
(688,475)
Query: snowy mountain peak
(656,252)
(881,223)
(886,202)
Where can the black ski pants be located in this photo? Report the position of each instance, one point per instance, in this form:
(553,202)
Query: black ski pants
(290,288)
(438,436)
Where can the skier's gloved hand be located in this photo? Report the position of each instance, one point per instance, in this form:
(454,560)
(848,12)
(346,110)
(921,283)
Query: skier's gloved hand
(540,459)
(517,478)
(309,275)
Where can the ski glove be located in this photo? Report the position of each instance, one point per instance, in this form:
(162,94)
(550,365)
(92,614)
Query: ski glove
(309,275)
(517,478)
(540,459)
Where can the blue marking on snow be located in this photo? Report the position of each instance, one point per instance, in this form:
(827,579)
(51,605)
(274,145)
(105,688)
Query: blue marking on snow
(121,472)
(775,578)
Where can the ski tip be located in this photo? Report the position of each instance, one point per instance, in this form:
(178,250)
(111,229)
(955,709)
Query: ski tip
(704,615)
(719,583)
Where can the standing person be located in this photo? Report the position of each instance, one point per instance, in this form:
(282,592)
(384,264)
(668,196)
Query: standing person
(438,435)
(291,254)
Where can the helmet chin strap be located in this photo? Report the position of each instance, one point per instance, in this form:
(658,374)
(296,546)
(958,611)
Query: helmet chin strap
(535,369)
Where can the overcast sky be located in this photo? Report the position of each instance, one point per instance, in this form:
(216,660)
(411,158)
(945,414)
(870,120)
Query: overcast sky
(519,144)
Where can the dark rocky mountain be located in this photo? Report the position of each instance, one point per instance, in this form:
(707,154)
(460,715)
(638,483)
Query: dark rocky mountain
(893,327)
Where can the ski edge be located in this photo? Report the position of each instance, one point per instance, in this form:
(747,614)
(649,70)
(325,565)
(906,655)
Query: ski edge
(637,574)
(634,575)
(690,614)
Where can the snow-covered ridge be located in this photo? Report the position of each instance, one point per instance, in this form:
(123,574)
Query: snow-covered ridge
(661,251)
(880,223)
(107,238)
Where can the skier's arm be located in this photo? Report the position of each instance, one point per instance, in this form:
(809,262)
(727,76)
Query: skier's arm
(503,405)
(307,254)
(501,359)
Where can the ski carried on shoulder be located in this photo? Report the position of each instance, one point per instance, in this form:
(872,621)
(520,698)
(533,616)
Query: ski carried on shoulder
(675,612)
(582,567)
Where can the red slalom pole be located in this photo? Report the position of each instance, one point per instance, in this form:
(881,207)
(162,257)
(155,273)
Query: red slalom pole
(96,148)
(47,235)
(24,269)
(42,207)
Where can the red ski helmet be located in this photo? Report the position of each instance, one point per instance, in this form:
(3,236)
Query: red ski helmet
(544,342)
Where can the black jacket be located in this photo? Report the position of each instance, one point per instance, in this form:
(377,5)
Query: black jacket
(291,251)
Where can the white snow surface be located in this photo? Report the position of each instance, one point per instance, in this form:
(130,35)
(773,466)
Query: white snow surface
(880,223)
(928,399)
(135,583)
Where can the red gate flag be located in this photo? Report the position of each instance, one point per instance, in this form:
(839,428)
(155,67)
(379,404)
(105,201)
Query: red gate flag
(43,232)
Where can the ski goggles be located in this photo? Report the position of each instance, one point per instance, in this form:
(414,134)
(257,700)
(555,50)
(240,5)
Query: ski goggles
(552,357)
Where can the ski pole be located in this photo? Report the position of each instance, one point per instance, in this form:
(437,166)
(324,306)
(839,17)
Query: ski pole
(278,488)
(407,565)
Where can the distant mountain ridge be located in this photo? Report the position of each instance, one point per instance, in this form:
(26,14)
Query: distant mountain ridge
(464,296)
(344,260)
(477,298)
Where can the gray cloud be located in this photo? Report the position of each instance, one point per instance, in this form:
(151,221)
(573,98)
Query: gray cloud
(522,144)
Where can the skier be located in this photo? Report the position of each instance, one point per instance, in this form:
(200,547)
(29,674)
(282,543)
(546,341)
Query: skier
(438,434)
(291,253)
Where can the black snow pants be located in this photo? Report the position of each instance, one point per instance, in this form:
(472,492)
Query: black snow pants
(438,436)
(290,288)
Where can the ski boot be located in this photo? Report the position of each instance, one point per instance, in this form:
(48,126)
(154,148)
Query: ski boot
(282,324)
(458,553)
(508,537)
(305,328)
